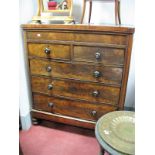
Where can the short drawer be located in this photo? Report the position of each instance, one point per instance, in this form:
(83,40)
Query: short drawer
(54,51)
(85,72)
(76,90)
(48,35)
(84,110)
(106,56)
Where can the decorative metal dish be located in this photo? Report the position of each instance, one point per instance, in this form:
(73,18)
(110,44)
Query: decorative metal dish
(118,130)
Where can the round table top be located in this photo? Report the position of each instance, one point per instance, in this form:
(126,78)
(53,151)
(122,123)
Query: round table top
(115,132)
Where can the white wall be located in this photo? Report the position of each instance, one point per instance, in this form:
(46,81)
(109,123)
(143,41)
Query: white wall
(101,13)
(26,12)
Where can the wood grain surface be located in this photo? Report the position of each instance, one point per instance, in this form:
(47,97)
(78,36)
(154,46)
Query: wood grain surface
(72,108)
(83,76)
(108,56)
(56,51)
(76,90)
(108,75)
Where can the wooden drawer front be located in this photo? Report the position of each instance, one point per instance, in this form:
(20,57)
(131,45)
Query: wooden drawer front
(76,90)
(72,108)
(109,75)
(107,56)
(50,36)
(102,38)
(54,51)
(87,37)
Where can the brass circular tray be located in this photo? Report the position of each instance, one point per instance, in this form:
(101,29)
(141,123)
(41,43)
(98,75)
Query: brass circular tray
(118,130)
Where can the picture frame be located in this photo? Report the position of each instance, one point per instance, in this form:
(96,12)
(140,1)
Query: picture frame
(60,7)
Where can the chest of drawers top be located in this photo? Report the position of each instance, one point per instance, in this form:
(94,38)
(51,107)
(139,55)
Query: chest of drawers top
(79,33)
(80,27)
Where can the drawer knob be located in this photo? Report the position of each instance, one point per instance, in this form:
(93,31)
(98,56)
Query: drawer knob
(50,105)
(97,74)
(98,55)
(50,87)
(47,50)
(49,69)
(96,93)
(94,113)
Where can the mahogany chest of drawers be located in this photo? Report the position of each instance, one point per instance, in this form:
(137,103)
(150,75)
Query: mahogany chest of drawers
(78,72)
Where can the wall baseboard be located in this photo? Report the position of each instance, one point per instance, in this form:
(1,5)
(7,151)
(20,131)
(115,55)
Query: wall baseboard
(26,122)
(129,108)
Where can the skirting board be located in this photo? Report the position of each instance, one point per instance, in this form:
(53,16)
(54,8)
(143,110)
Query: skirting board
(26,122)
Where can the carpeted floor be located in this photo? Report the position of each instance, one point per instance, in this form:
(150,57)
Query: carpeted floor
(58,140)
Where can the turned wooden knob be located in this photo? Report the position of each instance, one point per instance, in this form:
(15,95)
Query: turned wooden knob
(49,69)
(95,93)
(50,87)
(94,113)
(50,105)
(47,51)
(96,74)
(98,55)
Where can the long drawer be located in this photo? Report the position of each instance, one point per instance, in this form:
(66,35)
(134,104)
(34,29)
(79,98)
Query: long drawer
(79,37)
(54,51)
(104,55)
(86,72)
(76,90)
(78,109)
